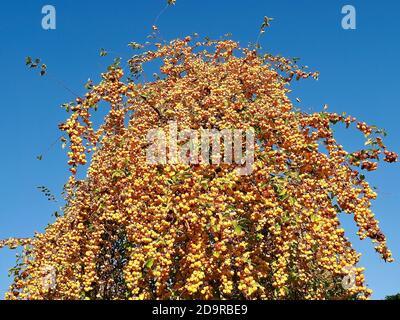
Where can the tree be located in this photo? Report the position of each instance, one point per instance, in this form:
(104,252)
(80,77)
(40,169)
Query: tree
(136,230)
(393,297)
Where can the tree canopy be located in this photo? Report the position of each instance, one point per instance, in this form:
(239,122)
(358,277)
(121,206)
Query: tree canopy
(135,230)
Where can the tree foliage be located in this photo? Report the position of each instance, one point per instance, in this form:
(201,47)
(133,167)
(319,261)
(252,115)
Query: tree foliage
(393,297)
(134,230)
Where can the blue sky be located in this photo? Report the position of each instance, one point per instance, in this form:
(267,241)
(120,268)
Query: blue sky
(359,74)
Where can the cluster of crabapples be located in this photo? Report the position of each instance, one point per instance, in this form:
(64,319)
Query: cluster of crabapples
(135,230)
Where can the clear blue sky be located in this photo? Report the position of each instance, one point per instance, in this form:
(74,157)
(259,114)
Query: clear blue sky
(359,74)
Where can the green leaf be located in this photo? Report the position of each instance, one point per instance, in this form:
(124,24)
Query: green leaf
(43,71)
(285,218)
(333,121)
(149,264)
(103,52)
(135,45)
(283,195)
(266,22)
(215,228)
(338,209)
(310,147)
(238,229)
(118,174)
(368,142)
(89,84)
